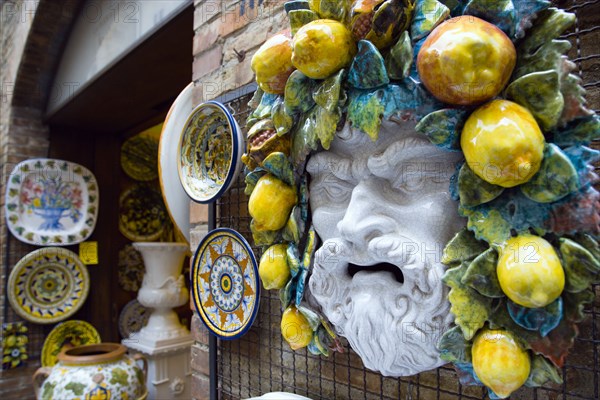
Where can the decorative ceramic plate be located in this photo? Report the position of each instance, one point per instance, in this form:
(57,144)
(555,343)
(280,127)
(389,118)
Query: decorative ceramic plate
(209,152)
(48,285)
(131,269)
(175,197)
(225,283)
(133,318)
(51,202)
(142,213)
(139,155)
(67,334)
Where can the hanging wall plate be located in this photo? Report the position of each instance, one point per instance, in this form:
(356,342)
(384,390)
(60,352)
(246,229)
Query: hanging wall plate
(176,199)
(48,285)
(65,335)
(209,154)
(51,202)
(225,283)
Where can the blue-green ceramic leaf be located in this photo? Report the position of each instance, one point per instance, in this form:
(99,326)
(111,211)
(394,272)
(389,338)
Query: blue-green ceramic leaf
(581,267)
(501,13)
(542,320)
(481,274)
(556,178)
(578,131)
(293,258)
(298,93)
(542,372)
(443,127)
(304,137)
(540,93)
(582,158)
(330,94)
(279,166)
(299,18)
(526,11)
(312,317)
(286,295)
(466,374)
(294,226)
(546,58)
(462,247)
(282,120)
(300,284)
(367,70)
(453,347)
(473,190)
(427,15)
(252,178)
(400,58)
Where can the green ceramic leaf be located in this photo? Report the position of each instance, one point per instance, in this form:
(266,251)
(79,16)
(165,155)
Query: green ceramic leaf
(453,347)
(556,178)
(579,131)
(337,10)
(278,164)
(298,93)
(256,98)
(471,310)
(263,238)
(473,190)
(574,95)
(487,224)
(305,137)
(13,192)
(540,93)
(400,58)
(526,11)
(427,15)
(581,267)
(463,247)
(309,249)
(548,57)
(285,294)
(252,178)
(326,125)
(498,12)
(294,226)
(299,18)
(453,276)
(550,24)
(443,127)
(481,274)
(11,206)
(264,109)
(312,317)
(366,115)
(293,258)
(500,319)
(330,92)
(542,371)
(575,304)
(589,243)
(367,70)
(282,120)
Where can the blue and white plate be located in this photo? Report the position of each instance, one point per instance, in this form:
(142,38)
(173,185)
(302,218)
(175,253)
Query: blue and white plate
(225,283)
(210,149)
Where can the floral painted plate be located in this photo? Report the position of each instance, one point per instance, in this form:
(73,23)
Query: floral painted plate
(51,202)
(176,199)
(139,155)
(225,283)
(48,285)
(209,154)
(131,269)
(133,318)
(66,335)
(142,213)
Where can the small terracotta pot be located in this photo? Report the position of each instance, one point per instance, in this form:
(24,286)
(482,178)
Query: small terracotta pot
(96,370)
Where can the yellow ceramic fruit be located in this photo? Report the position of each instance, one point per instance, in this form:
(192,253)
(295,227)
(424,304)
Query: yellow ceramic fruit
(270,203)
(322,47)
(499,361)
(273,269)
(530,272)
(295,328)
(466,60)
(272,64)
(503,143)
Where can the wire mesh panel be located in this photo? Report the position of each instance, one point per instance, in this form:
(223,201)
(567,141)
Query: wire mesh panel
(262,362)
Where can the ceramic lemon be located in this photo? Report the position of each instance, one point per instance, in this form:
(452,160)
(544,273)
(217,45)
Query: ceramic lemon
(530,272)
(322,47)
(270,203)
(272,64)
(273,269)
(295,328)
(499,361)
(502,143)
(466,60)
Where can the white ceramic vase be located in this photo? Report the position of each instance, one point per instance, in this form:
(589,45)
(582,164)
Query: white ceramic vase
(163,288)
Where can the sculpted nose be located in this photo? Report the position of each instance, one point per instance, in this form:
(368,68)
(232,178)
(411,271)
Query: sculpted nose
(364,218)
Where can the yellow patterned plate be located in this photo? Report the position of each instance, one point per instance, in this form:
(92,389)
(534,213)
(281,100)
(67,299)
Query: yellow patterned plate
(225,284)
(139,155)
(66,335)
(48,285)
(142,213)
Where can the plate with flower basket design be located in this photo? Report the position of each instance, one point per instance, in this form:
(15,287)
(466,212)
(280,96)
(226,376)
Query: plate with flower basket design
(48,285)
(51,202)
(66,335)
(225,283)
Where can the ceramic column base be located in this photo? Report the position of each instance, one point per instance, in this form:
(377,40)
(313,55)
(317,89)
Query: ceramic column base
(169,365)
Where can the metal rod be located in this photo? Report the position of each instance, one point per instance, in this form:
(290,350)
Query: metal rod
(212,340)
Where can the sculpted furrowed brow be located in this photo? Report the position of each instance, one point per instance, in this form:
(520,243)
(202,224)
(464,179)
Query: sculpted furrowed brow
(326,165)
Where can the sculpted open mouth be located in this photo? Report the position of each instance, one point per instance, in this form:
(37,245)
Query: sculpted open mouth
(392,269)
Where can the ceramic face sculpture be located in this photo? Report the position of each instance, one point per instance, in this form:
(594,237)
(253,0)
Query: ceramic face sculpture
(384,214)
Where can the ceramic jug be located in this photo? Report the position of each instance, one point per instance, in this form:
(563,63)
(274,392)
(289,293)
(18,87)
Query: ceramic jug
(95,371)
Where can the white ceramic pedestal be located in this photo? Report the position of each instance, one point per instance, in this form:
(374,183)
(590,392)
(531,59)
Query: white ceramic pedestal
(164,341)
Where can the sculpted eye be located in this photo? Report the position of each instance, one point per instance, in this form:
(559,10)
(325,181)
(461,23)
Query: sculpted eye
(337,193)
